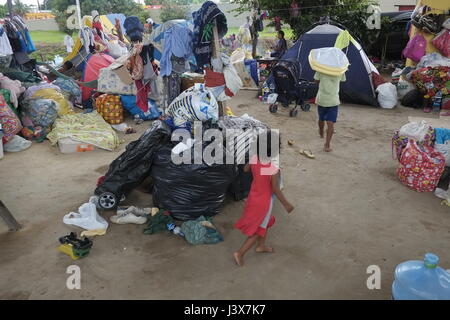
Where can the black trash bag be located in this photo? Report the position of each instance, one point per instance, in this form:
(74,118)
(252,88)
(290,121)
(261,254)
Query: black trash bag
(240,187)
(189,191)
(413,99)
(131,168)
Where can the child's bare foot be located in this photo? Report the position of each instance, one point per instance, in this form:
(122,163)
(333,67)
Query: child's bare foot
(264,249)
(238,259)
(327,149)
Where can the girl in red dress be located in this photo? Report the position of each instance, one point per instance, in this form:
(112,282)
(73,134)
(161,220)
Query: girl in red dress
(257,215)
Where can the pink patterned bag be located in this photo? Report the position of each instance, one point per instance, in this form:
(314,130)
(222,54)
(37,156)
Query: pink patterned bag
(420,167)
(442,42)
(10,121)
(415,49)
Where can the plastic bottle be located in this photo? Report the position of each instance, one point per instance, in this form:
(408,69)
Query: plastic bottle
(175,229)
(437,101)
(421,280)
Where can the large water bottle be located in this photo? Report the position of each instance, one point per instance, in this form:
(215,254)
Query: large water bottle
(421,280)
(175,229)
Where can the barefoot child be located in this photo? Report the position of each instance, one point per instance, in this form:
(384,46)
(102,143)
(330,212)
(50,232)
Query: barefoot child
(327,104)
(257,215)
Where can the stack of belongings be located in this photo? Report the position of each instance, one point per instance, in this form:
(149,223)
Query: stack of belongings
(423,152)
(425,80)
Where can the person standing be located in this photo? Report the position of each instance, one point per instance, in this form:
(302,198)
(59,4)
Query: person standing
(254,33)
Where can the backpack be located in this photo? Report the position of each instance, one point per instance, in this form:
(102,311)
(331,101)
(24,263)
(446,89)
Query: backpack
(259,25)
(415,49)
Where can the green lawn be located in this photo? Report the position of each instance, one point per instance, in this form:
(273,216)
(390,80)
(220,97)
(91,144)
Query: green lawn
(47,36)
(264,34)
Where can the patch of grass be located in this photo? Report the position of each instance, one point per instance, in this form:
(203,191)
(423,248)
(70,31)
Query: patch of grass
(46,52)
(47,36)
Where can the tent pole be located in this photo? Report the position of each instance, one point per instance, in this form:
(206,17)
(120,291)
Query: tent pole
(10,8)
(216,54)
(79,14)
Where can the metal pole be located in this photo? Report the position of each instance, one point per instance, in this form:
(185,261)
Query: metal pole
(10,8)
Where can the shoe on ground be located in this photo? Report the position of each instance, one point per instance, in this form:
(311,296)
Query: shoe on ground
(134,210)
(128,218)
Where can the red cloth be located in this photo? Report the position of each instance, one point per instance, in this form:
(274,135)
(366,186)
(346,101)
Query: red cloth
(142,95)
(377,79)
(258,201)
(214,79)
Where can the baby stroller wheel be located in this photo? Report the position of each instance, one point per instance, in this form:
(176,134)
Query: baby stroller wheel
(293,112)
(107,201)
(306,107)
(273,108)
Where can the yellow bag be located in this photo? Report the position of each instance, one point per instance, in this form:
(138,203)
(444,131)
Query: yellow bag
(110,108)
(52,94)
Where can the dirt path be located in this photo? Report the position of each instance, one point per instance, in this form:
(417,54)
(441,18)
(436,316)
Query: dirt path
(351,212)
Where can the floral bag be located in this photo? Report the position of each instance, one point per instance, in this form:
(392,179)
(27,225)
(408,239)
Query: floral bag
(420,167)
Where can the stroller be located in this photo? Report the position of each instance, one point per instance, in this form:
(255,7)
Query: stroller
(291,88)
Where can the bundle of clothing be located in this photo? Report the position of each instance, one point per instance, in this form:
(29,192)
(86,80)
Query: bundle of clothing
(431,80)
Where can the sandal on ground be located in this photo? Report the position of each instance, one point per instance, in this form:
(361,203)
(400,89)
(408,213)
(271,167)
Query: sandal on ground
(307,153)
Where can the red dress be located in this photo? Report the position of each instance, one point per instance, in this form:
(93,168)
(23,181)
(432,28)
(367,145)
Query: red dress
(257,216)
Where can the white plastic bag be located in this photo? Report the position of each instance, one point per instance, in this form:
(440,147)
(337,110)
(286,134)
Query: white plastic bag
(16,144)
(87,218)
(116,50)
(403,87)
(387,95)
(272,98)
(414,130)
(445,150)
(194,104)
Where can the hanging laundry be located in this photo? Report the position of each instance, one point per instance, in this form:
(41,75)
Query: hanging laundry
(178,43)
(142,95)
(204,20)
(5,46)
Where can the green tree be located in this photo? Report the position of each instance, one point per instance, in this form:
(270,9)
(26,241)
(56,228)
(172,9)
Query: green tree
(127,7)
(350,13)
(173,9)
(3,11)
(20,8)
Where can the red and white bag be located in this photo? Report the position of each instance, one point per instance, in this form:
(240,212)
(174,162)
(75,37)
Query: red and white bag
(420,167)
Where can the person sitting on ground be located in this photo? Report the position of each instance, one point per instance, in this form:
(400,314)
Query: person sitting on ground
(280,47)
(327,101)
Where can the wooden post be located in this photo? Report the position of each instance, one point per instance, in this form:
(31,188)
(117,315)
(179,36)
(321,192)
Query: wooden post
(8,217)
(216,54)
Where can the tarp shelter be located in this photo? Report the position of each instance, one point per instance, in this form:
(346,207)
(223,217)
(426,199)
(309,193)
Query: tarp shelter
(358,88)
(94,64)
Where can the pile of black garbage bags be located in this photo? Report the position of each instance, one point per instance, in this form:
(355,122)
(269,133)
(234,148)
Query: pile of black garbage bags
(187,191)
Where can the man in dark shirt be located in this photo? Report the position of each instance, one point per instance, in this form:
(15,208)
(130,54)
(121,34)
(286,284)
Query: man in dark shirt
(280,47)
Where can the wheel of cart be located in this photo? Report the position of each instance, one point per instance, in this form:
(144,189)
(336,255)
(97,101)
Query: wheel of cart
(108,201)
(273,108)
(306,107)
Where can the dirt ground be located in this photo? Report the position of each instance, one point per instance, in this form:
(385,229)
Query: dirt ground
(351,212)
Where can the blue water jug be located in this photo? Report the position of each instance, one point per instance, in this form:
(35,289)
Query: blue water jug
(421,280)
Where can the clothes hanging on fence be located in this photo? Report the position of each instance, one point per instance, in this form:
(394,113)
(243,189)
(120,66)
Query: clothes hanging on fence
(178,43)
(204,20)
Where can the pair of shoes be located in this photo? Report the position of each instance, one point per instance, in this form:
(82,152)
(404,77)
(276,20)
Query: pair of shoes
(128,216)
(134,210)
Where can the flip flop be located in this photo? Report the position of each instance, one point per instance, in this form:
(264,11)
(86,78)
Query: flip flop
(307,153)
